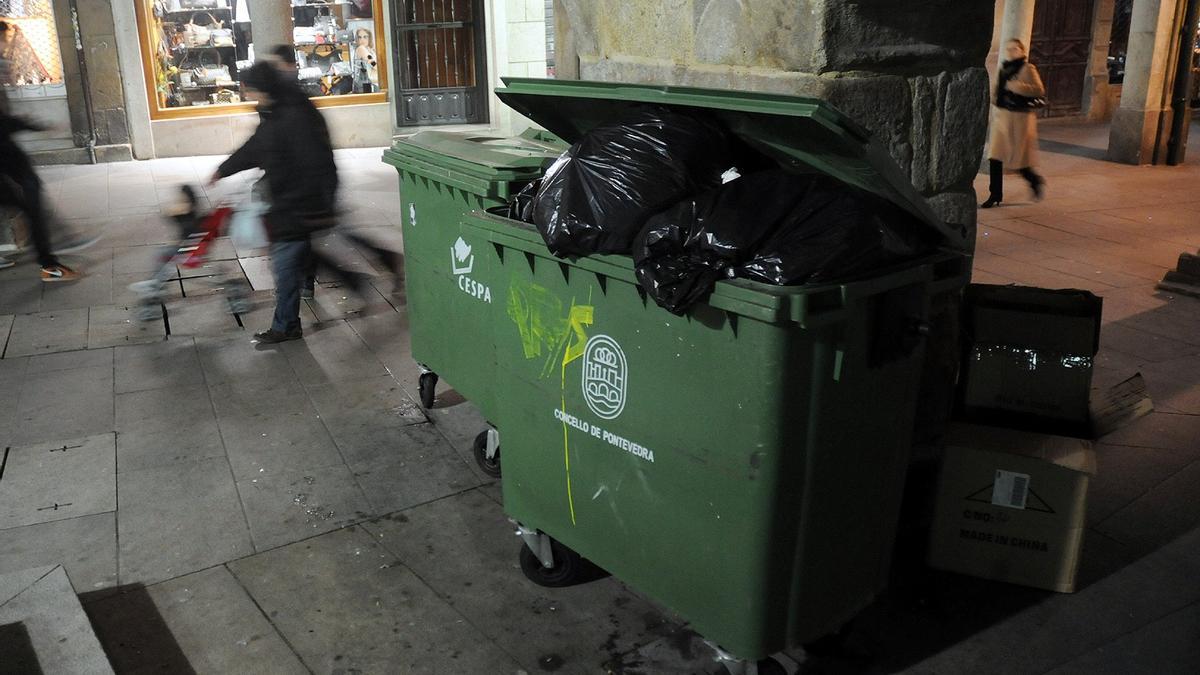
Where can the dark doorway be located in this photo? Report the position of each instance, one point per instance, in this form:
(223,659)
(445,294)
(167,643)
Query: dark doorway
(440,59)
(1061,47)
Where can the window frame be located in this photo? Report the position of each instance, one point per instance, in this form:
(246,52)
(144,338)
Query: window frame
(146,47)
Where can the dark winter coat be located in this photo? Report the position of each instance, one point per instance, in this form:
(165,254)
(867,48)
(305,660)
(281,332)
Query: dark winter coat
(292,147)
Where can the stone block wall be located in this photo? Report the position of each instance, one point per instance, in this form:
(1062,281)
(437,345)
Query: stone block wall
(526,38)
(104,72)
(910,72)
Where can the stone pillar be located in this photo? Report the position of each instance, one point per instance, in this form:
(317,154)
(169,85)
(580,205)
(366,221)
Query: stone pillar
(994,57)
(133,80)
(1017,23)
(104,73)
(1141,125)
(270,24)
(566,56)
(914,78)
(1096,91)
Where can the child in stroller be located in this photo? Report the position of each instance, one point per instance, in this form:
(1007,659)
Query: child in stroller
(197,232)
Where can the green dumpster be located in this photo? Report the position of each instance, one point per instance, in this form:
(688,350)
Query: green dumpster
(442,176)
(742,465)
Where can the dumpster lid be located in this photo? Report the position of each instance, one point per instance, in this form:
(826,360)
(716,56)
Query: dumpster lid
(481,152)
(795,131)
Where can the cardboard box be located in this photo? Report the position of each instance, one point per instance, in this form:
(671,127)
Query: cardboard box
(1029,360)
(1011,506)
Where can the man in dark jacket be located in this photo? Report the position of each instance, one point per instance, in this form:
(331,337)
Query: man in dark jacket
(292,147)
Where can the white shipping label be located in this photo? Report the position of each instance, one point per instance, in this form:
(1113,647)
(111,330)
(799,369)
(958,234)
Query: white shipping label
(1010,489)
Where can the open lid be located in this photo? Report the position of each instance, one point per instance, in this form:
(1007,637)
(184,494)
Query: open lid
(796,132)
(480,154)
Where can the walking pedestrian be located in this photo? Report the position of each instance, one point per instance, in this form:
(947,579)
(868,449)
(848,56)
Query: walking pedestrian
(21,187)
(1019,94)
(292,147)
(7,236)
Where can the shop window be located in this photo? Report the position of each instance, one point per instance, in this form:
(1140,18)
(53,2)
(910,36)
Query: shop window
(337,49)
(29,53)
(195,51)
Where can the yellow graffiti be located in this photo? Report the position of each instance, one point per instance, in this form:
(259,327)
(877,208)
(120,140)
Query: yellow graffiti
(578,317)
(545,332)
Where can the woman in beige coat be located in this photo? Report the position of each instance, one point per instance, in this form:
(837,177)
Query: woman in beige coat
(1014,124)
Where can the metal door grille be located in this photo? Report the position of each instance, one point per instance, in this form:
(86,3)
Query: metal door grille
(439,70)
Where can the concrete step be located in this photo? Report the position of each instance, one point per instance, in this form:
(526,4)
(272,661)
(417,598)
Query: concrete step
(1188,264)
(1179,277)
(73,155)
(32,145)
(43,628)
(1190,290)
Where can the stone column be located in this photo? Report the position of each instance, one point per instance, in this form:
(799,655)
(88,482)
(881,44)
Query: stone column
(98,33)
(994,57)
(1096,93)
(1017,23)
(1141,125)
(270,24)
(914,78)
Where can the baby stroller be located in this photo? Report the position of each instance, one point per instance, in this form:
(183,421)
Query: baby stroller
(197,234)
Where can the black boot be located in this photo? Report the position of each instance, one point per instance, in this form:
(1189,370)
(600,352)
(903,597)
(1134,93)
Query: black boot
(1036,183)
(995,185)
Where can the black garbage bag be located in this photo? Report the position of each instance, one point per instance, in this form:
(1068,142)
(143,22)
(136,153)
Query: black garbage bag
(597,196)
(520,206)
(776,227)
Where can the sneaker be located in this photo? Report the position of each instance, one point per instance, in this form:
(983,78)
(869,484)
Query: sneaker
(306,294)
(59,273)
(76,244)
(271,336)
(5,263)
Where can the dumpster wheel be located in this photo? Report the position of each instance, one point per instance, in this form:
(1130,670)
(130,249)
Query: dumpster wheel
(426,388)
(736,666)
(770,666)
(567,571)
(488,465)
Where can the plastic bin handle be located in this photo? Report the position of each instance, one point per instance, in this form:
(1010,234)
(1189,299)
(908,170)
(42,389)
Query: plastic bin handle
(819,308)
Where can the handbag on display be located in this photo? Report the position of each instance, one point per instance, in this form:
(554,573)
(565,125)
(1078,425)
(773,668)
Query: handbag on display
(200,35)
(217,73)
(310,73)
(222,37)
(226,96)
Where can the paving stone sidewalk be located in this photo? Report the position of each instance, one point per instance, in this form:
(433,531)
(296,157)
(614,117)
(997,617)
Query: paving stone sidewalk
(224,507)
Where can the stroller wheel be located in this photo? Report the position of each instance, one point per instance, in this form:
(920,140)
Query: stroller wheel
(239,305)
(148,312)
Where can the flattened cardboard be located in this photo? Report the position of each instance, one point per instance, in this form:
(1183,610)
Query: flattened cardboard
(1065,321)
(1029,362)
(1120,405)
(1001,386)
(1037,545)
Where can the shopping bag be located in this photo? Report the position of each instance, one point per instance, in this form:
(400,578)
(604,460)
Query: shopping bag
(246,229)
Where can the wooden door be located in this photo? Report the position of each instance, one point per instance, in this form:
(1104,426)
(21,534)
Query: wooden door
(1061,47)
(439,61)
